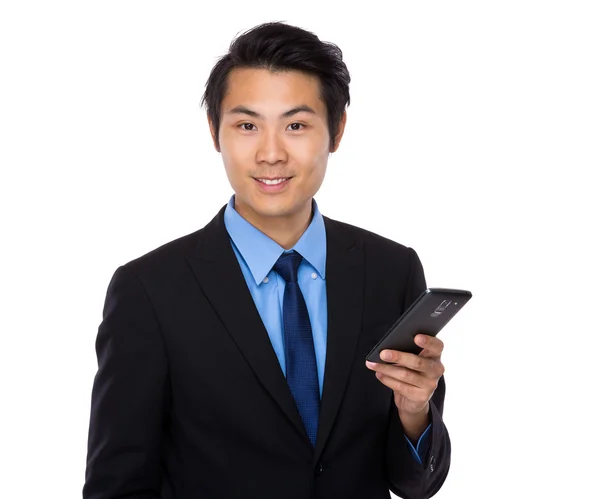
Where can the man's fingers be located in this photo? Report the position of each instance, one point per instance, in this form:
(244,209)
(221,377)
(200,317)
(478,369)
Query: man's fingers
(413,393)
(403,374)
(432,346)
(434,370)
(431,366)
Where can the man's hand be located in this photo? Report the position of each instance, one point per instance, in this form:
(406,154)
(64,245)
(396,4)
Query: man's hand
(413,378)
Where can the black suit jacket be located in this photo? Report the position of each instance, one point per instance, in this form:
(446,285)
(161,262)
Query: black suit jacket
(189,400)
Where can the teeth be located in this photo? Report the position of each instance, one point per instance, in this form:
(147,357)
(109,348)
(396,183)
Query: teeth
(272,182)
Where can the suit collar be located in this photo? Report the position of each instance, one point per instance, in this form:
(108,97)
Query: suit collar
(260,252)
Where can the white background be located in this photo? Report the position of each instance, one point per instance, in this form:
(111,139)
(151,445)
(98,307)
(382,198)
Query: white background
(473,136)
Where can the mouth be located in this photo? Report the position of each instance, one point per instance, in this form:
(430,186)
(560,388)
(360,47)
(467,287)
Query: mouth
(272,184)
(272,181)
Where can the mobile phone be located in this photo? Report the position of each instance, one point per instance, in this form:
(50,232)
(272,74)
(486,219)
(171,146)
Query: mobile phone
(428,314)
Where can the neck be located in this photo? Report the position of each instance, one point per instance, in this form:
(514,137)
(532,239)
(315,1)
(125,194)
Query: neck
(284,230)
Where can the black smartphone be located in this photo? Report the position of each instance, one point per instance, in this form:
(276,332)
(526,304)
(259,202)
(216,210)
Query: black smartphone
(428,314)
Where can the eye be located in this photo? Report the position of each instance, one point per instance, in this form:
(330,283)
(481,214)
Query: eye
(295,127)
(247,127)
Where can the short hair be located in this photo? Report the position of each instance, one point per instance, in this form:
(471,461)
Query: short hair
(277,46)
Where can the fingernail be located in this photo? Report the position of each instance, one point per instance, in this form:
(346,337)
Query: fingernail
(421,340)
(386,355)
(370,364)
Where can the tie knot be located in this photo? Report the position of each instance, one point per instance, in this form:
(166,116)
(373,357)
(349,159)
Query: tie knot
(287,266)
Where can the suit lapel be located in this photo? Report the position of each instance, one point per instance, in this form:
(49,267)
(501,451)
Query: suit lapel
(219,275)
(344,277)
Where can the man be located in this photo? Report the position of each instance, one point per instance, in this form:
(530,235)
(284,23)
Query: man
(232,360)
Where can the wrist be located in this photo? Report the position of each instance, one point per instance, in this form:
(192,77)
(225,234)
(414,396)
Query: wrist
(414,423)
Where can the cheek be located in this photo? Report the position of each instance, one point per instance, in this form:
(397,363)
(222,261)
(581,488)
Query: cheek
(234,171)
(316,164)
(236,155)
(311,153)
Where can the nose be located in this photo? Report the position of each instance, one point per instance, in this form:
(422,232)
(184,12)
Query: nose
(271,148)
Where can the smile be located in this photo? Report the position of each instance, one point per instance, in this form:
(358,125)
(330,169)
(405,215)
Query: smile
(274,181)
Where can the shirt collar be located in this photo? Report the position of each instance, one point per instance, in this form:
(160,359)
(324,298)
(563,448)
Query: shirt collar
(260,252)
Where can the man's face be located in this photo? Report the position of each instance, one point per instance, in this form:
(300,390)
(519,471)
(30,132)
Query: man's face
(275,142)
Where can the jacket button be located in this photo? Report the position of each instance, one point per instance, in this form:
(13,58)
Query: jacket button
(318,469)
(431,464)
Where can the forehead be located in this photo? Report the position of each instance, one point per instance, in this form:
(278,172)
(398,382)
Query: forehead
(262,87)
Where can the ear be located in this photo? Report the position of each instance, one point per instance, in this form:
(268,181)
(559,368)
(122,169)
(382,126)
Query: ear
(214,134)
(339,134)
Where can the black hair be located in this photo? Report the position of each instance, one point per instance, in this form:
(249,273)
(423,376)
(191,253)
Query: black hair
(277,46)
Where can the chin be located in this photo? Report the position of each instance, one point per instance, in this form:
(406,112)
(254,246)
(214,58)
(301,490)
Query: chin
(274,208)
(275,211)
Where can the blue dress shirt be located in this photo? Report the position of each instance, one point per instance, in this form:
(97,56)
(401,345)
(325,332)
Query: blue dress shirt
(257,253)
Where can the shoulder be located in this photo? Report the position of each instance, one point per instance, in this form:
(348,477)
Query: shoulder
(158,269)
(173,250)
(392,271)
(171,255)
(374,245)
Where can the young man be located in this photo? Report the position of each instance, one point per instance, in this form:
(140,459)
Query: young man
(232,360)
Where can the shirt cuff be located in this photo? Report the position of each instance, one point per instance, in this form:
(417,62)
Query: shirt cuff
(422,445)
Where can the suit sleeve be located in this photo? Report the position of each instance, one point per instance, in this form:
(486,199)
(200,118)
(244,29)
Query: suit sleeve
(408,478)
(128,397)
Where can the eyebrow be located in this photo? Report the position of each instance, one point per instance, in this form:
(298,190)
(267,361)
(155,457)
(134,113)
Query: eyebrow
(298,109)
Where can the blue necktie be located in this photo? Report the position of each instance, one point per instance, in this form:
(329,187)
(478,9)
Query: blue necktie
(300,360)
